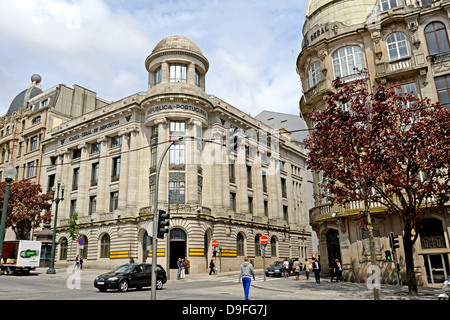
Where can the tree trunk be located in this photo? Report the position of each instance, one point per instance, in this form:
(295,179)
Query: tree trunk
(408,245)
(373,257)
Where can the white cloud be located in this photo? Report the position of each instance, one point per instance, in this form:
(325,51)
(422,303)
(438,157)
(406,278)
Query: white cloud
(102,45)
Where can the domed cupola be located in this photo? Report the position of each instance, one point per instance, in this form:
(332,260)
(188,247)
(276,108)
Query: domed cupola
(20,101)
(176,65)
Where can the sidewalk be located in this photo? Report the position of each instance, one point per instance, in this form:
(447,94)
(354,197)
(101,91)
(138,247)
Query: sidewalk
(305,289)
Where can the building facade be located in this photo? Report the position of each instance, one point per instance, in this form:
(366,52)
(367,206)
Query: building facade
(30,116)
(398,42)
(232,178)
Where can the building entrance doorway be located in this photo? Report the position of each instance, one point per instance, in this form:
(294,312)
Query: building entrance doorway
(437,268)
(333,248)
(177,247)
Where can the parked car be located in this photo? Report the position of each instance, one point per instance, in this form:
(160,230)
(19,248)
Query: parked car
(276,268)
(132,275)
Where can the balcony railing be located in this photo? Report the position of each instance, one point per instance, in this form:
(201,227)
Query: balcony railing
(386,68)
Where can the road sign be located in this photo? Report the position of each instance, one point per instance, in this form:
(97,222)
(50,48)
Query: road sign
(81,241)
(264,240)
(215,243)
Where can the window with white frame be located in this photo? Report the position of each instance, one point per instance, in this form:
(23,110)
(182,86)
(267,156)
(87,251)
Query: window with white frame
(397,46)
(347,61)
(389,4)
(314,75)
(178,73)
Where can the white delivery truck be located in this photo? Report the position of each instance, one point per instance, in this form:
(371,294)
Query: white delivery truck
(20,256)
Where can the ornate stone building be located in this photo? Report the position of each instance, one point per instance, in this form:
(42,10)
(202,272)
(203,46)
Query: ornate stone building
(30,116)
(235,182)
(397,41)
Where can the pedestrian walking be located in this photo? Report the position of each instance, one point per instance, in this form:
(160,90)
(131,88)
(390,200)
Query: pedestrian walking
(286,268)
(188,265)
(246,272)
(79,262)
(332,269)
(338,271)
(212,267)
(179,268)
(296,266)
(307,268)
(131,260)
(183,269)
(317,269)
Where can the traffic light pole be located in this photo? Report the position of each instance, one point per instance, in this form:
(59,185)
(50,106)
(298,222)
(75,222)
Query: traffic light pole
(155,220)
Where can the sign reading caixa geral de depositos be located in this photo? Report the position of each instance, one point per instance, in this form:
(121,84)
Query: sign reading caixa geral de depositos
(176,107)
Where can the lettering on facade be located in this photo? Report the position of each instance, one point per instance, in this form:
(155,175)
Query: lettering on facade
(92,131)
(311,37)
(169,107)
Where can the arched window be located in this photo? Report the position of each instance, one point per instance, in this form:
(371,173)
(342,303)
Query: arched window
(314,75)
(347,61)
(84,251)
(63,249)
(273,247)
(257,246)
(397,46)
(104,246)
(437,38)
(240,245)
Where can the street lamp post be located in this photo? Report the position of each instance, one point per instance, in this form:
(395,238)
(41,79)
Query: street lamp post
(10,172)
(51,269)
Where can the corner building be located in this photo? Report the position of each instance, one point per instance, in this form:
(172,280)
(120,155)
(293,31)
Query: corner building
(239,180)
(401,42)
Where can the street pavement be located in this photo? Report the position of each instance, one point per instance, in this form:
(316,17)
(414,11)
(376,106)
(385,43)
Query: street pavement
(304,289)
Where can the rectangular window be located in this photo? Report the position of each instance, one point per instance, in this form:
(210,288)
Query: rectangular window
(250,205)
(92,204)
(443,89)
(158,76)
(115,169)
(95,147)
(76,154)
(177,157)
(233,201)
(286,213)
(33,143)
(388,4)
(178,73)
(73,207)
(30,171)
(176,192)
(264,182)
(116,141)
(283,188)
(249,177)
(76,174)
(51,182)
(94,174)
(177,126)
(266,208)
(231,172)
(114,201)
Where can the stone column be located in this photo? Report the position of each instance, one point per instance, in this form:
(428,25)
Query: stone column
(104,177)
(133,168)
(83,182)
(124,163)
(192,163)
(163,187)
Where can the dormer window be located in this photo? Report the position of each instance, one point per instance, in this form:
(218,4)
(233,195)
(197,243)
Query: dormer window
(178,73)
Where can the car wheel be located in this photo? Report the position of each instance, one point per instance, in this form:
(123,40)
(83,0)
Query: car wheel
(159,284)
(123,286)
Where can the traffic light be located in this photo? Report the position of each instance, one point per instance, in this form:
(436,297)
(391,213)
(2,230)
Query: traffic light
(388,255)
(393,241)
(162,224)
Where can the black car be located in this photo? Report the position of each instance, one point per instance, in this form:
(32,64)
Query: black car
(133,275)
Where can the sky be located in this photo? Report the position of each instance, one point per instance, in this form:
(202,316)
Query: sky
(252,46)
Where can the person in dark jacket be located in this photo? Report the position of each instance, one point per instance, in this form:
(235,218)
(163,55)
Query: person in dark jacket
(212,267)
(316,269)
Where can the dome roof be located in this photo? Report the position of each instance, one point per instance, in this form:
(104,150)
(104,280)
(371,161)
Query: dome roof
(177,42)
(21,99)
(348,12)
